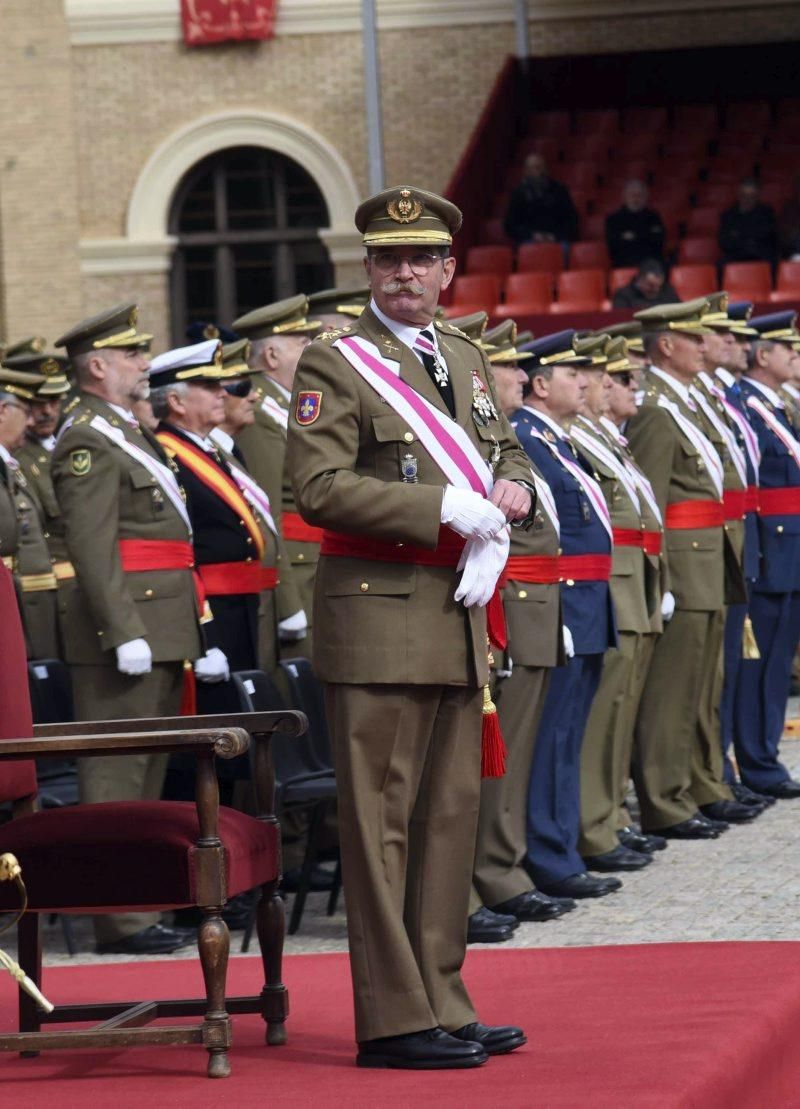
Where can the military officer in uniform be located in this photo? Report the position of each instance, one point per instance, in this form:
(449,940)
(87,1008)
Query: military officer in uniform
(337,307)
(278,333)
(132,620)
(391,428)
(763,688)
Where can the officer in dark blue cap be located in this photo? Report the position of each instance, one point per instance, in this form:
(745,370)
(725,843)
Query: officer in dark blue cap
(775,605)
(199,331)
(554,396)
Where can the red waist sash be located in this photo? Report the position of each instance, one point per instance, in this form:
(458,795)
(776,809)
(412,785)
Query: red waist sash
(687,515)
(532,569)
(447,553)
(649,541)
(734,502)
(295,529)
(222,579)
(138,555)
(779,502)
(751,498)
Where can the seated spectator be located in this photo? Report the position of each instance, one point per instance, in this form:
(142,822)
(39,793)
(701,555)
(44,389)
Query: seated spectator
(748,231)
(647,287)
(540,209)
(634,232)
(790,225)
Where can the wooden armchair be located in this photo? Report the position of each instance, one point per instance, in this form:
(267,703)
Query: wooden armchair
(149,855)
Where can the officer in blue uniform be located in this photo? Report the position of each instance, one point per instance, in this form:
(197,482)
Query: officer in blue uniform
(554,395)
(775,604)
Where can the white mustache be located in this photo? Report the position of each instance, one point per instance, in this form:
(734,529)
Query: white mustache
(412,287)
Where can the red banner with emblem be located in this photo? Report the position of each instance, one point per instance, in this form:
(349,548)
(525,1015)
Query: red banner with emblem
(206,22)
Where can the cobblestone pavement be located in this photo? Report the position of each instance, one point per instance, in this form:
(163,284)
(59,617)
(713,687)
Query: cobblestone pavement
(743,886)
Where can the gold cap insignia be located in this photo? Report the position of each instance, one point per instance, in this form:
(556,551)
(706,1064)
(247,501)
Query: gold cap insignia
(133,316)
(218,356)
(405,208)
(49,366)
(210,331)
(37,345)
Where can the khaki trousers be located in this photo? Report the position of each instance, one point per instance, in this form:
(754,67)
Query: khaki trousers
(102,693)
(501,845)
(407,764)
(641,667)
(667,725)
(708,768)
(603,742)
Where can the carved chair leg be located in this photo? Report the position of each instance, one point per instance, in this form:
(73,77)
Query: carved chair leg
(271,924)
(214,944)
(29,942)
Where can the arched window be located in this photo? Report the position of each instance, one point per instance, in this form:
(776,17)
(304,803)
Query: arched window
(246,220)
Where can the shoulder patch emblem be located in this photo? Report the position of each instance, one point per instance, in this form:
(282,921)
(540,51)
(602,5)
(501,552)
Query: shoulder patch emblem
(309,406)
(80,462)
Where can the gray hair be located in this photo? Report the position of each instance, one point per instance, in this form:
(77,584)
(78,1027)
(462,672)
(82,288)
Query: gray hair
(9,398)
(159,397)
(752,354)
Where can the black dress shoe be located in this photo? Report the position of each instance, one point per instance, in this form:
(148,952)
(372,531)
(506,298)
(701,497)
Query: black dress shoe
(618,859)
(321,879)
(158,939)
(731,812)
(581,885)
(639,841)
(783,791)
(750,797)
(712,822)
(495,1040)
(693,828)
(533,906)
(433,1049)
(484,926)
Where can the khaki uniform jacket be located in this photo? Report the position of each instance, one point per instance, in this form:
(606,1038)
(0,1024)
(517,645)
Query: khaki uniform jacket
(384,622)
(533,609)
(634,582)
(696,556)
(263,445)
(116,498)
(36,463)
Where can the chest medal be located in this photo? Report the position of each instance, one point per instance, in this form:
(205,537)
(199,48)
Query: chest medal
(483,410)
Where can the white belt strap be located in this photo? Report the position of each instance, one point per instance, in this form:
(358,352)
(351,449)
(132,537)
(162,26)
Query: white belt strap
(774,424)
(701,444)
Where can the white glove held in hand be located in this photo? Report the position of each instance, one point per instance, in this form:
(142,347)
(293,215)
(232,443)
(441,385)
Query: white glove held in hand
(470,514)
(134,657)
(482,561)
(569,646)
(667,606)
(212,667)
(293,627)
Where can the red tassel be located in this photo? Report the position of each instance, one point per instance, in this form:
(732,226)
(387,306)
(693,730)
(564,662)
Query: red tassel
(496,622)
(189,693)
(493,748)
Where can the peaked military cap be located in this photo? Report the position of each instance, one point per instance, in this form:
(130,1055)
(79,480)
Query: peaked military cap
(114,328)
(507,353)
(719,318)
(235,359)
(198,330)
(407,216)
(23,385)
(284,317)
(631,330)
(617,360)
(557,348)
(344,302)
(686,317)
(777,327)
(473,325)
(51,367)
(33,345)
(193,364)
(593,346)
(501,333)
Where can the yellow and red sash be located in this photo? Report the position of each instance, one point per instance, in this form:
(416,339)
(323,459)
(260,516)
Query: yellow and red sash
(215,478)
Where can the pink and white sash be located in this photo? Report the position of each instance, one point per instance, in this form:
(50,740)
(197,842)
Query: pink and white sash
(727,436)
(447,444)
(594,493)
(774,424)
(546,502)
(701,444)
(254,494)
(280,415)
(749,437)
(637,477)
(594,446)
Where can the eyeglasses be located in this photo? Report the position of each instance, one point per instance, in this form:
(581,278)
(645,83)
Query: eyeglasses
(387,261)
(238,388)
(624,377)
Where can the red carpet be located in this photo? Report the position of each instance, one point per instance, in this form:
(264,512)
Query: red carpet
(665,1025)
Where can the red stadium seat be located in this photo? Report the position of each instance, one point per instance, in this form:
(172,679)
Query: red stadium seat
(777,166)
(582,285)
(724,173)
(569,307)
(524,287)
(540,258)
(453,311)
(578,175)
(514,309)
(490,259)
(547,145)
(550,123)
(588,255)
(681,146)
(702,221)
(716,196)
(788,278)
(583,200)
(741,115)
(747,280)
(788,111)
(698,251)
(493,233)
(593,228)
(695,118)
(477,288)
(641,120)
(776,193)
(588,148)
(693,281)
(745,143)
(619,277)
(500,204)
(591,120)
(783,147)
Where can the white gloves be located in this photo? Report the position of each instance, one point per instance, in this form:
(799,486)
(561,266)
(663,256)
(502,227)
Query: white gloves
(470,514)
(482,561)
(212,667)
(134,657)
(293,627)
(667,606)
(569,646)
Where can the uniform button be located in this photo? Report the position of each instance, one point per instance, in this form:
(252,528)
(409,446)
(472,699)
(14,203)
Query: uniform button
(152,481)
(46,534)
(301,558)
(249,540)
(399,544)
(779,529)
(726,527)
(695,544)
(560,551)
(570,581)
(364,586)
(560,579)
(409,438)
(248,559)
(523,593)
(148,592)
(99,633)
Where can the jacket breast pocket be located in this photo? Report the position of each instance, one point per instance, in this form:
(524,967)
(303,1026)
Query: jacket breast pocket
(397,450)
(148,496)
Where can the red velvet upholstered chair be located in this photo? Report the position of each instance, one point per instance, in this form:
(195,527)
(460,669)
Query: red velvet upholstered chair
(140,855)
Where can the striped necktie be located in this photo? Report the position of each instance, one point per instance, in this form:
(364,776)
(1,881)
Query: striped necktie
(425,346)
